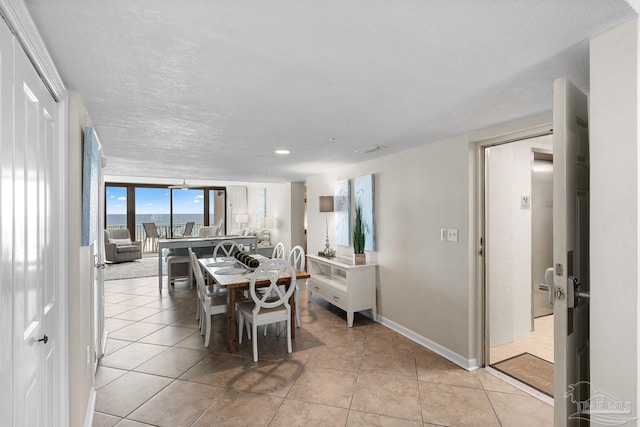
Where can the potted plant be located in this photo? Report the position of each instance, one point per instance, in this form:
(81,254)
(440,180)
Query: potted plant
(359,256)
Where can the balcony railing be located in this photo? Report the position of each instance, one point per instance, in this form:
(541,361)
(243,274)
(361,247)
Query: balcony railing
(164,230)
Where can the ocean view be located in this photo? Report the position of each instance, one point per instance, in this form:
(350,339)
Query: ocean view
(158,219)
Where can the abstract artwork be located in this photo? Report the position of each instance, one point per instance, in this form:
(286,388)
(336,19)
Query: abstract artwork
(90,171)
(342,209)
(363,197)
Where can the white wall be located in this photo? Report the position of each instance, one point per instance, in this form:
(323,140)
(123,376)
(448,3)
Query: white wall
(80,298)
(509,237)
(427,288)
(614,124)
(298,214)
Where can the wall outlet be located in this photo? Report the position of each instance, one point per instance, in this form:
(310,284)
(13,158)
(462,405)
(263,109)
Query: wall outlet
(452,235)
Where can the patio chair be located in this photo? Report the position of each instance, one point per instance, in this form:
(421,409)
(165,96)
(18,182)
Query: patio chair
(151,235)
(188,228)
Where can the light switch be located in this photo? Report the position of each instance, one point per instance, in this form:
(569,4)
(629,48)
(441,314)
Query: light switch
(443,234)
(452,234)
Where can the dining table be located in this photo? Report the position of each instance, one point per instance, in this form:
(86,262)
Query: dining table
(251,242)
(239,282)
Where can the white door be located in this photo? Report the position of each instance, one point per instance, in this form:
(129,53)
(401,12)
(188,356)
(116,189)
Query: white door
(570,250)
(97,248)
(6,227)
(36,397)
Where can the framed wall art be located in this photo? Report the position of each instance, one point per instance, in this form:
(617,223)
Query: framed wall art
(342,210)
(363,197)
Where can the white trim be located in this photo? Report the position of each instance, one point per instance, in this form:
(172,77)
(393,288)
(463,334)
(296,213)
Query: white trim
(21,24)
(63,250)
(520,385)
(546,128)
(468,364)
(91,407)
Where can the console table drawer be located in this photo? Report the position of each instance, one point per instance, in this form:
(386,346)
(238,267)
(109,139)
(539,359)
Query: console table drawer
(332,294)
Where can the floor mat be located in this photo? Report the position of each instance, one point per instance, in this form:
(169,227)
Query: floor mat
(530,369)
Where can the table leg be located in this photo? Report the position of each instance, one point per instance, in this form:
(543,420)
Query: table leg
(159,270)
(232,326)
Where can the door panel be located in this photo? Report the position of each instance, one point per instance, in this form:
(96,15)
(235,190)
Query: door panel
(6,227)
(34,303)
(570,250)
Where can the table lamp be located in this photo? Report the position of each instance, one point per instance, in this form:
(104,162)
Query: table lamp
(326,205)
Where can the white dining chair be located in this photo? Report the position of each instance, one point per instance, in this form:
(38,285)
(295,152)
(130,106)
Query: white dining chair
(211,302)
(226,248)
(263,309)
(278,251)
(297,259)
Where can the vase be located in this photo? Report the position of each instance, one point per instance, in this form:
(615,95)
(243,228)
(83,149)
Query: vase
(359,259)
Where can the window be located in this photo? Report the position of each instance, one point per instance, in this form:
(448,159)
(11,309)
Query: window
(116,206)
(130,205)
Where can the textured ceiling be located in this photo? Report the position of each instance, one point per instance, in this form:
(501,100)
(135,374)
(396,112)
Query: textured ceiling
(208,89)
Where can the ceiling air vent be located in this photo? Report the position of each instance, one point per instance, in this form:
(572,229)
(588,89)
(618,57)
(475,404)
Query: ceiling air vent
(370,149)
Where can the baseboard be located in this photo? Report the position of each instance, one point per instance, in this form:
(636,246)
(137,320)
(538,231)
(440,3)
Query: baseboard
(468,364)
(91,407)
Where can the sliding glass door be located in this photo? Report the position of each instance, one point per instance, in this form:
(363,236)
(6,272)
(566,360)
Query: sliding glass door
(130,205)
(152,205)
(116,206)
(188,206)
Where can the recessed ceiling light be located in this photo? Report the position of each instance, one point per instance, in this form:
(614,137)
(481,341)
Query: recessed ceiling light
(282,152)
(332,140)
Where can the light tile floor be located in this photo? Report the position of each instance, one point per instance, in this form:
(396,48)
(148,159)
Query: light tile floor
(157,372)
(538,342)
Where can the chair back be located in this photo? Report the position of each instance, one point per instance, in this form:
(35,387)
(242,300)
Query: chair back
(226,248)
(118,234)
(206,231)
(278,251)
(220,228)
(150,229)
(197,272)
(188,228)
(272,296)
(297,258)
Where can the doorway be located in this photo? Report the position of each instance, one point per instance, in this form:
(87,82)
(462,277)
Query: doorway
(518,221)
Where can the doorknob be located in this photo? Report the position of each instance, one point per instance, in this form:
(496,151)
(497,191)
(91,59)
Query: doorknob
(97,263)
(44,339)
(548,280)
(573,289)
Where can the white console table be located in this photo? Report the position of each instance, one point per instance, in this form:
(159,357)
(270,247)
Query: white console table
(343,284)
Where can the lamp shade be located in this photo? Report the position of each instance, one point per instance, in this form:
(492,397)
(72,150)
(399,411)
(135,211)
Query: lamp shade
(326,203)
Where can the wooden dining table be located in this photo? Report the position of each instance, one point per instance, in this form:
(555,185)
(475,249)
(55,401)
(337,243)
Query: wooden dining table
(200,242)
(239,282)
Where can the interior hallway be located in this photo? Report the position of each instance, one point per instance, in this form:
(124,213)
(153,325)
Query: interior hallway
(538,342)
(157,372)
